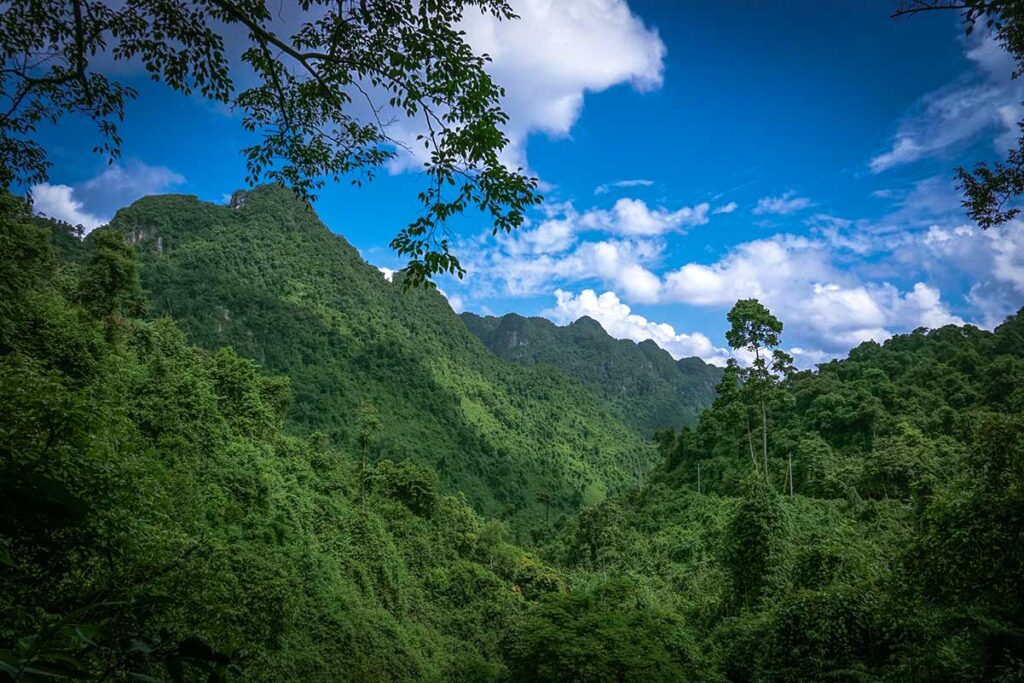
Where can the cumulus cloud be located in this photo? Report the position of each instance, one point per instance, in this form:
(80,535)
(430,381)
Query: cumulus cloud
(632,217)
(549,59)
(986,99)
(93,202)
(786,204)
(59,202)
(988,265)
(826,305)
(726,208)
(847,281)
(618,263)
(923,304)
(619,321)
(833,288)
(531,260)
(456,301)
(608,187)
(556,52)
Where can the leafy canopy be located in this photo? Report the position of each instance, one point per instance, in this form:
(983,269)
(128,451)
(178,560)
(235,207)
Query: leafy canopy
(320,105)
(752,327)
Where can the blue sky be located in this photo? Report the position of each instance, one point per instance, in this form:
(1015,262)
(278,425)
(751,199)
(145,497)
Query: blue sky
(692,154)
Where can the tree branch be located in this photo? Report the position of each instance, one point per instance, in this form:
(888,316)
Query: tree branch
(912,7)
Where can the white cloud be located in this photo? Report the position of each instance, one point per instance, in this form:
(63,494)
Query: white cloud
(988,98)
(988,264)
(726,208)
(607,187)
(796,277)
(119,185)
(558,51)
(786,204)
(846,282)
(619,263)
(923,304)
(389,273)
(619,321)
(521,272)
(456,301)
(531,260)
(925,239)
(58,201)
(93,202)
(632,217)
(807,358)
(550,58)
(554,234)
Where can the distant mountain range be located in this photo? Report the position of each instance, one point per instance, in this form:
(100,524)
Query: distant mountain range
(641,384)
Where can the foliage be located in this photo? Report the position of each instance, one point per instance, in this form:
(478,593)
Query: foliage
(896,555)
(318,103)
(159,525)
(640,384)
(603,634)
(174,513)
(272,282)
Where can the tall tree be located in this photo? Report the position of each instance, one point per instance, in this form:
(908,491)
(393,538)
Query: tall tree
(320,104)
(755,329)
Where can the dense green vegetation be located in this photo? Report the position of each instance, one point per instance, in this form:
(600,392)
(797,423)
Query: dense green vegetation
(641,384)
(885,541)
(174,512)
(269,280)
(158,522)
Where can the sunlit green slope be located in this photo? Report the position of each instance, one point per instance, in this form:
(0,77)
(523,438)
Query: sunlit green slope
(268,279)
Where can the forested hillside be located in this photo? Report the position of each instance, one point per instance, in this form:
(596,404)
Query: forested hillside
(168,515)
(367,359)
(884,542)
(158,524)
(641,384)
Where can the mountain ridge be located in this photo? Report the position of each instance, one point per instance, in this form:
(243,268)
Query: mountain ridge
(639,382)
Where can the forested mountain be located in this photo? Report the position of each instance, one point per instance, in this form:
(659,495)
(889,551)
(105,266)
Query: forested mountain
(158,524)
(367,359)
(170,514)
(641,384)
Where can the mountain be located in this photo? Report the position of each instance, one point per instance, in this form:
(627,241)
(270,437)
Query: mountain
(376,369)
(168,516)
(159,524)
(641,384)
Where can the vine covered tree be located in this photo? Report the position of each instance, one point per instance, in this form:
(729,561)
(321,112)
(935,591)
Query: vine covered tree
(110,285)
(320,100)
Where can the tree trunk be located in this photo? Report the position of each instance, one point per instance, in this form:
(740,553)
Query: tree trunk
(764,435)
(750,442)
(790,475)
